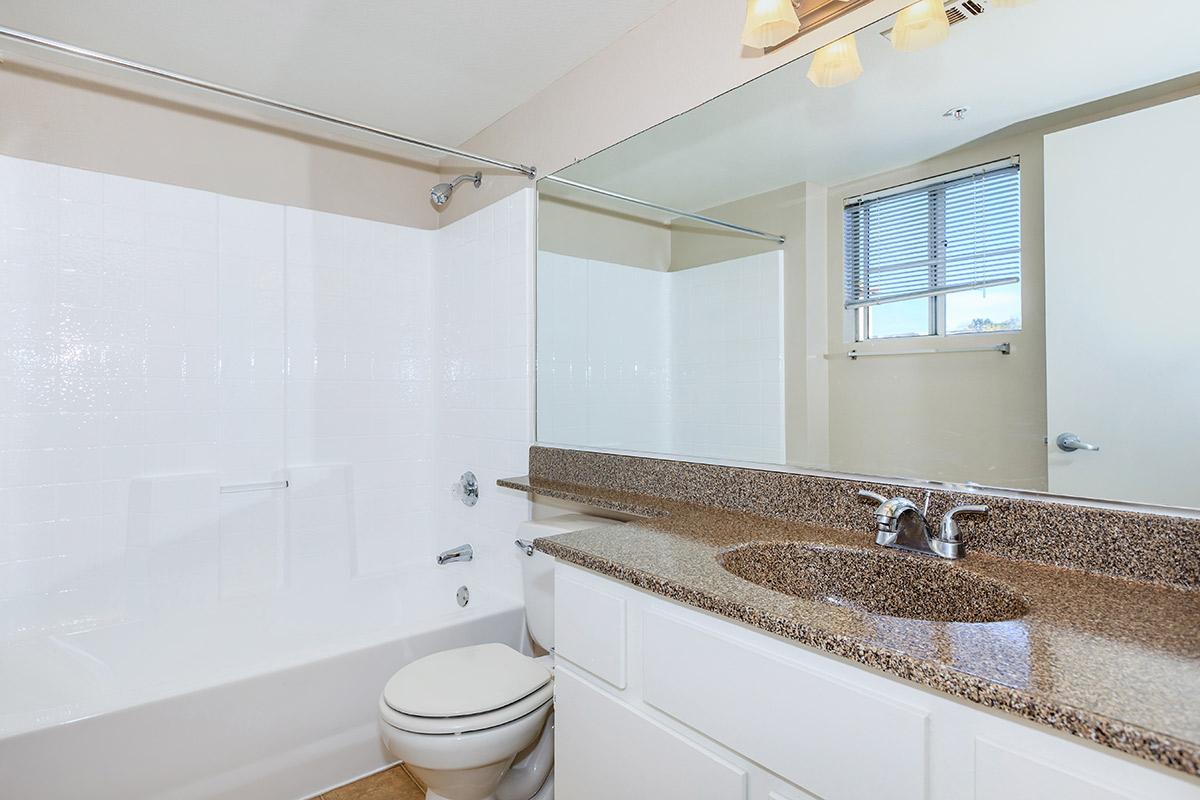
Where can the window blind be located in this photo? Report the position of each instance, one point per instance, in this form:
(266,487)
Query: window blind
(950,235)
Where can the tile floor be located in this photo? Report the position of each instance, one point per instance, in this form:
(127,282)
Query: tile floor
(391,784)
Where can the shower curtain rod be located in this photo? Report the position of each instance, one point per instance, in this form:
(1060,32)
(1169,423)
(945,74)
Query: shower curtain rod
(774,237)
(116,61)
(216,88)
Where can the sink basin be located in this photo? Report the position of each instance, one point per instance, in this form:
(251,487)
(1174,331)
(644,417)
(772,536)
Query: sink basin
(881,582)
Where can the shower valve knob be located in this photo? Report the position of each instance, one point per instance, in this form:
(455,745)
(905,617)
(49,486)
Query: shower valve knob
(466,489)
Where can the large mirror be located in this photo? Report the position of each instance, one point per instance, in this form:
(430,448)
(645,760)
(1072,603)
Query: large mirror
(989,270)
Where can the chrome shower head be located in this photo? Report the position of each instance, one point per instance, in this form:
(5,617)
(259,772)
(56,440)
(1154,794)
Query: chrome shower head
(440,194)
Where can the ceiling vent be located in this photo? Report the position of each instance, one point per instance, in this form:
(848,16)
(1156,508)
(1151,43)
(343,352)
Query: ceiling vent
(963,11)
(958,11)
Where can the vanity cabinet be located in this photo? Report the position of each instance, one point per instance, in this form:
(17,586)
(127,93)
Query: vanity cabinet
(659,700)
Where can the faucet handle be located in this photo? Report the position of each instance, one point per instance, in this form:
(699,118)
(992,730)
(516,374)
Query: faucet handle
(872,496)
(949,531)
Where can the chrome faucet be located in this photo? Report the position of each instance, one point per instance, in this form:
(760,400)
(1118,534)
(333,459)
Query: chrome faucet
(461,553)
(903,526)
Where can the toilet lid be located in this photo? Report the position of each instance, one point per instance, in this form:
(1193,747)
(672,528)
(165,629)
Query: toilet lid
(538,702)
(464,681)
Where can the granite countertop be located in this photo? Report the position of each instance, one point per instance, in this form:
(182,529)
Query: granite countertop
(1111,660)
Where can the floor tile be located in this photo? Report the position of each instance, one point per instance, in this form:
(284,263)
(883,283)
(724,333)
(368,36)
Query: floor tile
(391,784)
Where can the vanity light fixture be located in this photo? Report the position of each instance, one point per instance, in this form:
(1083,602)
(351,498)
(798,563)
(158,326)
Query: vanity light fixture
(769,22)
(836,63)
(923,24)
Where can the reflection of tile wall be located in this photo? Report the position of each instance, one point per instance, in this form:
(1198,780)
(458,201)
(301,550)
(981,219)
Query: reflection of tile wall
(157,342)
(602,355)
(727,360)
(687,362)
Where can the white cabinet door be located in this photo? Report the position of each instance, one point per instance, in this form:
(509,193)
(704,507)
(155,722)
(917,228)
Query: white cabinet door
(589,625)
(1122,278)
(606,750)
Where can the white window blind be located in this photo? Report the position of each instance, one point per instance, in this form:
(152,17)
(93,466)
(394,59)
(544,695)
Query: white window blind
(954,234)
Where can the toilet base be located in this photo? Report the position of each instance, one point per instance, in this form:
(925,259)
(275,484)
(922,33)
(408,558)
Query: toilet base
(463,784)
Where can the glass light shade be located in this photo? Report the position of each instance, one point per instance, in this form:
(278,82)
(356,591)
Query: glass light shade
(769,22)
(921,25)
(836,63)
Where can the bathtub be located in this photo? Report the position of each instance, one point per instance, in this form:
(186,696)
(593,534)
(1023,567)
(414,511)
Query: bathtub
(259,698)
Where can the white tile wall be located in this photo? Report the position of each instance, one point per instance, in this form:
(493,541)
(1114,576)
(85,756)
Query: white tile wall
(157,342)
(687,362)
(359,394)
(483,289)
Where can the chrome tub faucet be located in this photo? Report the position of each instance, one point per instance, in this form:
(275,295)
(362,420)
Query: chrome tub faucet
(461,553)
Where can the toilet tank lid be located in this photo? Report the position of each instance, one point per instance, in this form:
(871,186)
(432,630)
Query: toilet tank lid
(464,681)
(563,523)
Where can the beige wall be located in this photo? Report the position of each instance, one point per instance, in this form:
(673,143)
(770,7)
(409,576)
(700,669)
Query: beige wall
(683,56)
(586,231)
(63,117)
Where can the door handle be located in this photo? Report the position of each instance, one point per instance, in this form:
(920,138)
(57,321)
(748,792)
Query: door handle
(1069,443)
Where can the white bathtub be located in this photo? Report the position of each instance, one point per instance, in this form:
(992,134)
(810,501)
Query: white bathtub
(266,698)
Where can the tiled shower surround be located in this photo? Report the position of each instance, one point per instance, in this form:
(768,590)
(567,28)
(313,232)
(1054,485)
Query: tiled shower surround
(158,343)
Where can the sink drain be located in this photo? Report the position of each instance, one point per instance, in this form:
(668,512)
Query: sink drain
(463,596)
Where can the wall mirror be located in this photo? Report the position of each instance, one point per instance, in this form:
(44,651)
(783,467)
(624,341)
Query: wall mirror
(988,273)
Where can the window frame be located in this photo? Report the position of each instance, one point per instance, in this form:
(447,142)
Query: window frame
(937,325)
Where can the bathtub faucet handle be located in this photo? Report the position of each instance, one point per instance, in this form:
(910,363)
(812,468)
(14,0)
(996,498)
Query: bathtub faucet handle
(466,489)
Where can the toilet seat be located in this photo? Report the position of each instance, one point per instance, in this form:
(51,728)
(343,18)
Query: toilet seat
(470,723)
(465,689)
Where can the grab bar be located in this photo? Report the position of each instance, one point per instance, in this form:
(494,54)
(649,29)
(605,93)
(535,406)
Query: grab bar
(234,488)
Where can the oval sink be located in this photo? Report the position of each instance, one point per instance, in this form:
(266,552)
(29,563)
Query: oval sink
(881,582)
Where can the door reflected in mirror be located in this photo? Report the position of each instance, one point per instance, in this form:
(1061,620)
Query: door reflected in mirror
(987,275)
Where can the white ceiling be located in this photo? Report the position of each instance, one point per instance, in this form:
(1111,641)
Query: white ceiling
(435,69)
(1008,65)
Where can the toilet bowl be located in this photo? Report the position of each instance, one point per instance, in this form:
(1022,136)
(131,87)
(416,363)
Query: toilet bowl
(459,718)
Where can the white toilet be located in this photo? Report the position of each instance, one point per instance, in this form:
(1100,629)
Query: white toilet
(458,718)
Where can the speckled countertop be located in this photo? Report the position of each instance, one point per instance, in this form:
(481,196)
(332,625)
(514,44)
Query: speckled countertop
(1111,660)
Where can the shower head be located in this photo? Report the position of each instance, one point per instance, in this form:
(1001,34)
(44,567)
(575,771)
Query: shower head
(440,194)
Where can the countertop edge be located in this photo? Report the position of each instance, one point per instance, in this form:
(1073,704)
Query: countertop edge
(1134,740)
(620,502)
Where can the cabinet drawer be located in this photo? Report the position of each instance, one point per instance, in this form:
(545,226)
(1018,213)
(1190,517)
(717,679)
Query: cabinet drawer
(589,625)
(605,749)
(836,741)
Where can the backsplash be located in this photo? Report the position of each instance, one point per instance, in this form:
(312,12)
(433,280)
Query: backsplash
(1126,544)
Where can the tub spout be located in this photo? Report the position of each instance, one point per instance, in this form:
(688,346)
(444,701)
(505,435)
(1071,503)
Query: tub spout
(461,553)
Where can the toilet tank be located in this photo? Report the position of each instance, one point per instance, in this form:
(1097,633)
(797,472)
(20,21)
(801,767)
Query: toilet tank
(537,571)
